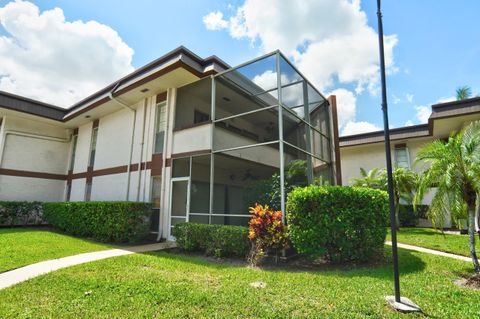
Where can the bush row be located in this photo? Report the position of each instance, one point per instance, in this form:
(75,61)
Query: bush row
(214,240)
(104,221)
(338,223)
(20,213)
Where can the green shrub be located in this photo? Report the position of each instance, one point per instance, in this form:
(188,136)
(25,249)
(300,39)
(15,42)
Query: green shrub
(338,223)
(215,240)
(409,217)
(20,213)
(104,221)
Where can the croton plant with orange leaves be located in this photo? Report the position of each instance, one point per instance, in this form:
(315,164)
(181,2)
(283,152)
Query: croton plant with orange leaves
(266,229)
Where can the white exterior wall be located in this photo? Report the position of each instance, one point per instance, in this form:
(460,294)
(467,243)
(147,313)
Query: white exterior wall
(113,141)
(192,139)
(37,147)
(113,150)
(83,148)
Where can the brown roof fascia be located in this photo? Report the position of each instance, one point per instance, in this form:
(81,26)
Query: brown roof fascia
(146,68)
(29,106)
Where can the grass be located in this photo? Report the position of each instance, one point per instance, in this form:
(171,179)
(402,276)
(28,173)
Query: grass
(23,246)
(434,239)
(164,285)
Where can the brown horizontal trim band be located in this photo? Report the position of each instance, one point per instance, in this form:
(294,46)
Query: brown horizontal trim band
(392,138)
(193,153)
(22,173)
(71,176)
(110,170)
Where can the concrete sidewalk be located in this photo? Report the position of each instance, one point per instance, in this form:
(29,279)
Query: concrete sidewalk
(430,251)
(18,275)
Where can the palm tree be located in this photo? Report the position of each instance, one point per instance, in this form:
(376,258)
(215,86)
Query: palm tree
(463,93)
(455,172)
(404,185)
(370,179)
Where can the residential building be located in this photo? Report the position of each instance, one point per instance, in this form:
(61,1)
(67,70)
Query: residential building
(367,150)
(190,135)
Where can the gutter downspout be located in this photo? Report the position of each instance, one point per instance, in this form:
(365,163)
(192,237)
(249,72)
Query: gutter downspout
(124,105)
(145,103)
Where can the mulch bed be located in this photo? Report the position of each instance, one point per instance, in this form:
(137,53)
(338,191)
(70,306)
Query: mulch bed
(472,282)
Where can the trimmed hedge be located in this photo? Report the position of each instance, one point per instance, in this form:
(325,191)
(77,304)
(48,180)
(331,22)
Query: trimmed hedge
(214,240)
(104,221)
(20,213)
(338,223)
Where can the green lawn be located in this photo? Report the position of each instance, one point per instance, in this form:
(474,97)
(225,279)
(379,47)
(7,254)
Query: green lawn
(434,239)
(163,285)
(23,246)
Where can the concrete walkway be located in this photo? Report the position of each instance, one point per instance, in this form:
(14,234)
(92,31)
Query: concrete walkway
(430,251)
(18,275)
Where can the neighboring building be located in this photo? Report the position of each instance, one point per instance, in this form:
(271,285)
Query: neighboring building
(190,135)
(368,150)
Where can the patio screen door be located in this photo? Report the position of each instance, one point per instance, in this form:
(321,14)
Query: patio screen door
(179,200)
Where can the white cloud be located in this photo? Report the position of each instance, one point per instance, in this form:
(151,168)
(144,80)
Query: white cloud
(328,39)
(409,123)
(396,99)
(215,21)
(423,113)
(409,97)
(352,128)
(346,104)
(45,57)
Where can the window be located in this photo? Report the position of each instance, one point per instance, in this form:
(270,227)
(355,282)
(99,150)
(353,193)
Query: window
(74,150)
(93,146)
(156,191)
(401,157)
(161,122)
(156,195)
(88,191)
(200,117)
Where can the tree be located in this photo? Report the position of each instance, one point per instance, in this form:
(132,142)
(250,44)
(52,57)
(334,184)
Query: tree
(463,93)
(404,184)
(455,171)
(370,179)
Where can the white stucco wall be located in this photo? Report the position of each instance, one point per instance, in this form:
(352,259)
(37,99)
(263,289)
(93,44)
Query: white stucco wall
(109,187)
(14,188)
(192,139)
(35,147)
(114,138)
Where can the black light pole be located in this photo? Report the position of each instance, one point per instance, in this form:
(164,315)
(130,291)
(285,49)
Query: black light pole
(401,304)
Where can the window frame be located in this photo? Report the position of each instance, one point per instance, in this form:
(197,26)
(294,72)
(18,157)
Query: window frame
(156,131)
(407,155)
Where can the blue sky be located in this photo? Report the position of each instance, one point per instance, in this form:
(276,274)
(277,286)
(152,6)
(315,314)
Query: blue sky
(437,47)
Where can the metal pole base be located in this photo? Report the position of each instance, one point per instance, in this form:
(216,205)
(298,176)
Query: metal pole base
(405,304)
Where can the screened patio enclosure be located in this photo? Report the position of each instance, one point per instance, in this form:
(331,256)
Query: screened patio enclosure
(270,132)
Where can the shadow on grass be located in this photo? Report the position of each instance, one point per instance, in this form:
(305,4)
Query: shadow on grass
(409,263)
